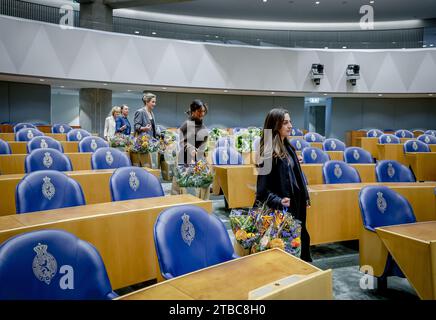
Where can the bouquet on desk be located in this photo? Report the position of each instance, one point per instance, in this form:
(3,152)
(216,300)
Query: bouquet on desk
(121,141)
(217,133)
(262,228)
(145,144)
(168,145)
(245,138)
(197,176)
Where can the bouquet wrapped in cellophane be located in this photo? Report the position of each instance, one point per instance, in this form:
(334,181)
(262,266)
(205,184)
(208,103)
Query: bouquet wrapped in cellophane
(198,175)
(216,133)
(121,141)
(145,144)
(244,139)
(262,228)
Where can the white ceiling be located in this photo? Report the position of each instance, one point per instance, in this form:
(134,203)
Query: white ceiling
(298,10)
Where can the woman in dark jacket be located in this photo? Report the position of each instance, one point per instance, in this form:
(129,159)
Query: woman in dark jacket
(280,182)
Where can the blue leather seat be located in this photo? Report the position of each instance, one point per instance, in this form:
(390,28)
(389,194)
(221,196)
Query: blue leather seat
(357,155)
(47,159)
(91,143)
(77,134)
(431,132)
(296,132)
(335,171)
(47,190)
(27,134)
(128,183)
(187,239)
(224,142)
(374,133)
(60,128)
(388,139)
(4,147)
(314,155)
(299,144)
(427,138)
(109,158)
(313,137)
(415,146)
(393,171)
(404,133)
(52,265)
(381,206)
(22,125)
(226,156)
(44,142)
(332,144)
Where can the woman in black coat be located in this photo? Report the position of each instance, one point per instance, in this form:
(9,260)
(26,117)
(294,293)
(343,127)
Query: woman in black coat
(280,182)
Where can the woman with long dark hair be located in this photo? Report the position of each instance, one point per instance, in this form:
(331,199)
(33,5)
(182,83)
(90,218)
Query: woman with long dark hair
(283,186)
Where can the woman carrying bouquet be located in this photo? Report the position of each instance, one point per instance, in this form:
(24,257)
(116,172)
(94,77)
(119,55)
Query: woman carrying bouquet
(283,185)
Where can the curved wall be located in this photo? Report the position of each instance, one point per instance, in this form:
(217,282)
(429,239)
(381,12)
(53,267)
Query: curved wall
(47,50)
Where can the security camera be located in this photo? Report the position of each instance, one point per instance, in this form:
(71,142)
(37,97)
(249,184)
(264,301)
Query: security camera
(353,73)
(317,73)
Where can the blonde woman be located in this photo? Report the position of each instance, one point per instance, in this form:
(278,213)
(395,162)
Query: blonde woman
(109,123)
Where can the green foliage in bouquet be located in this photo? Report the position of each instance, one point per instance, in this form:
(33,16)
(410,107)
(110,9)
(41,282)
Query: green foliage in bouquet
(198,175)
(145,144)
(216,133)
(121,141)
(245,138)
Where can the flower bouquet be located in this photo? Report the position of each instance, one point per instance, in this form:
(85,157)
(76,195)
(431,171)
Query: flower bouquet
(144,152)
(168,147)
(194,179)
(216,133)
(121,142)
(261,228)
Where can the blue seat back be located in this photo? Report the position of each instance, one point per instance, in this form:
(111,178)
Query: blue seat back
(415,146)
(381,206)
(404,133)
(27,134)
(44,142)
(314,155)
(332,144)
(224,142)
(226,156)
(313,137)
(53,265)
(299,144)
(22,125)
(109,158)
(427,138)
(393,171)
(4,147)
(128,183)
(431,132)
(357,155)
(60,128)
(374,133)
(334,171)
(47,190)
(47,159)
(388,139)
(187,239)
(77,134)
(296,132)
(91,143)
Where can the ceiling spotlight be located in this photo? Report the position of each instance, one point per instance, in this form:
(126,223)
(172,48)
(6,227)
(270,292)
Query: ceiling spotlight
(217,37)
(317,73)
(264,0)
(228,90)
(105,84)
(273,92)
(344,47)
(424,46)
(136,32)
(380,95)
(325,94)
(353,73)
(430,94)
(432,45)
(42,80)
(129,90)
(372,1)
(317,2)
(62,86)
(164,88)
(153,33)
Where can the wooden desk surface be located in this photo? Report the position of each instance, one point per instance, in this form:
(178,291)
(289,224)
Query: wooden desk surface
(413,246)
(218,282)
(422,231)
(369,144)
(94,183)
(121,231)
(10,137)
(392,152)
(423,165)
(20,147)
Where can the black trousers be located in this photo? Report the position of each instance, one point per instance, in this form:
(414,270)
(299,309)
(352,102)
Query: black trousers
(298,207)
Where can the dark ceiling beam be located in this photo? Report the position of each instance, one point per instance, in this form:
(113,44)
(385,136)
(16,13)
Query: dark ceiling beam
(118,4)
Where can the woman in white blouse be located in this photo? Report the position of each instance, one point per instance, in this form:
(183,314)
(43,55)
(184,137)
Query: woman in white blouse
(109,124)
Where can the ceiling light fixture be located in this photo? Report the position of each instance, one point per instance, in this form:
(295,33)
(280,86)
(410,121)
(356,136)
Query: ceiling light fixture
(164,88)
(317,2)
(430,94)
(380,95)
(273,92)
(105,84)
(136,32)
(226,90)
(344,47)
(153,33)
(42,80)
(372,1)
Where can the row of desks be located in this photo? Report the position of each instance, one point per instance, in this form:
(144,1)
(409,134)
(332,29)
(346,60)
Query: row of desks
(94,183)
(372,145)
(10,137)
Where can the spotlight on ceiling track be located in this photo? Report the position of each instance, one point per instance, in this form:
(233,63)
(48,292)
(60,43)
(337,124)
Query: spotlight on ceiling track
(317,73)
(353,73)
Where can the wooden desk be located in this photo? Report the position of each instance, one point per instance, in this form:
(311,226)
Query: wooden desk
(335,215)
(94,183)
(413,246)
(369,144)
(121,231)
(235,279)
(313,172)
(423,165)
(316,145)
(14,163)
(432,147)
(392,152)
(351,137)
(11,136)
(20,147)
